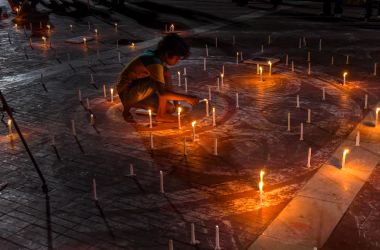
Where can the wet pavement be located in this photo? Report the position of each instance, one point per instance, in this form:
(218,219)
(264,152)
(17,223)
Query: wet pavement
(201,188)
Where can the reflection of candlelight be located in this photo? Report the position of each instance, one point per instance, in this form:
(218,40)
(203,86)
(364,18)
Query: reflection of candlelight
(179,117)
(345,152)
(344,77)
(193,126)
(261,186)
(270,68)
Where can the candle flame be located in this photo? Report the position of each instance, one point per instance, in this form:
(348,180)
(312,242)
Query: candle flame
(261,186)
(269,62)
(111,91)
(345,74)
(262,175)
(222,75)
(193,123)
(133,45)
(150,112)
(377,110)
(261,69)
(179,110)
(179,73)
(345,152)
(96,31)
(9,122)
(44,39)
(115,24)
(48,26)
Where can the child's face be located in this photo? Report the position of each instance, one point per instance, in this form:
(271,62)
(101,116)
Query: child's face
(172,60)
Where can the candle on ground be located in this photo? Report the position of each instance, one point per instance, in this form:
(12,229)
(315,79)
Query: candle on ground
(270,68)
(332,60)
(309,158)
(73,130)
(115,24)
(162,182)
(301,132)
(71,27)
(94,193)
(213,117)
(323,94)
(357,139)
(84,41)
(217,240)
(308,115)
(193,241)
(96,32)
(111,93)
(104,91)
(262,48)
(298,101)
(44,41)
(237,57)
(171,28)
(288,121)
(92,120)
(171,247)
(151,141)
(286,60)
(223,69)
(150,118)
(237,100)
(216,146)
(179,78)
(375,69)
(179,117)
(222,79)
(88,103)
(48,26)
(365,101)
(218,84)
(309,69)
(344,77)
(193,129)
(131,170)
(186,84)
(347,59)
(184,71)
(9,123)
(292,66)
(204,64)
(261,187)
(261,74)
(345,152)
(206,106)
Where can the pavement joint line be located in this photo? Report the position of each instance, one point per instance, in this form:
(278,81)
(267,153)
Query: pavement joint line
(290,241)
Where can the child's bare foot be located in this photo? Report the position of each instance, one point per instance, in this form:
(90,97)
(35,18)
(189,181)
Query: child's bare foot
(166,118)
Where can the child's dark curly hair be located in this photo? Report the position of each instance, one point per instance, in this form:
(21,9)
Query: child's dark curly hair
(173,45)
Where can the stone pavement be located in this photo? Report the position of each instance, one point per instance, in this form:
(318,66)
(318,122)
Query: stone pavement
(202,188)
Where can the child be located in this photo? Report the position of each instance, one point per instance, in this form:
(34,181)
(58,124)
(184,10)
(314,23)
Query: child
(143,83)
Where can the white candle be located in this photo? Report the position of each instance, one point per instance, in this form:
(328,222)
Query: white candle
(151,141)
(270,68)
(71,27)
(184,146)
(357,139)
(215,146)
(96,32)
(347,59)
(237,57)
(237,100)
(301,132)
(375,69)
(308,56)
(10,132)
(213,117)
(73,130)
(111,93)
(300,43)
(186,84)
(332,60)
(179,117)
(88,103)
(95,195)
(207,109)
(218,84)
(209,93)
(261,74)
(193,241)
(365,101)
(84,41)
(323,94)
(257,69)
(292,66)
(115,24)
(308,115)
(204,64)
(344,77)
(298,101)
(162,182)
(193,129)
(222,79)
(131,170)
(44,40)
(184,71)
(309,69)
(104,91)
(171,247)
(223,69)
(262,48)
(345,152)
(320,44)
(79,95)
(217,242)
(171,29)
(261,189)
(216,42)
(92,120)
(150,118)
(309,158)
(286,60)
(288,121)
(179,78)
(206,50)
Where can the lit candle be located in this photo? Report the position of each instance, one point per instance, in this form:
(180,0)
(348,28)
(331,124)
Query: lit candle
(184,146)
(115,24)
(308,115)
(111,93)
(217,242)
(44,40)
(261,74)
(257,69)
(162,182)
(95,196)
(298,101)
(133,45)
(96,32)
(320,44)
(304,41)
(237,100)
(286,60)
(309,158)
(104,91)
(184,71)
(261,188)
(206,50)
(375,69)
(301,132)
(308,56)
(179,78)
(151,141)
(186,84)
(377,116)
(92,120)
(218,84)
(10,132)
(193,129)
(270,68)
(179,117)
(365,101)
(237,57)
(216,146)
(207,109)
(309,69)
(171,247)
(17,10)
(79,95)
(171,29)
(48,26)
(213,117)
(223,69)
(344,77)
(357,139)
(347,59)
(288,121)
(150,118)
(323,94)
(73,130)
(345,152)
(292,66)
(71,27)
(222,79)
(84,41)
(209,93)
(204,64)
(332,60)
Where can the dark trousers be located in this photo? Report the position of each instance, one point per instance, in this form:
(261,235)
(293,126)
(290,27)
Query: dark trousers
(337,8)
(368,8)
